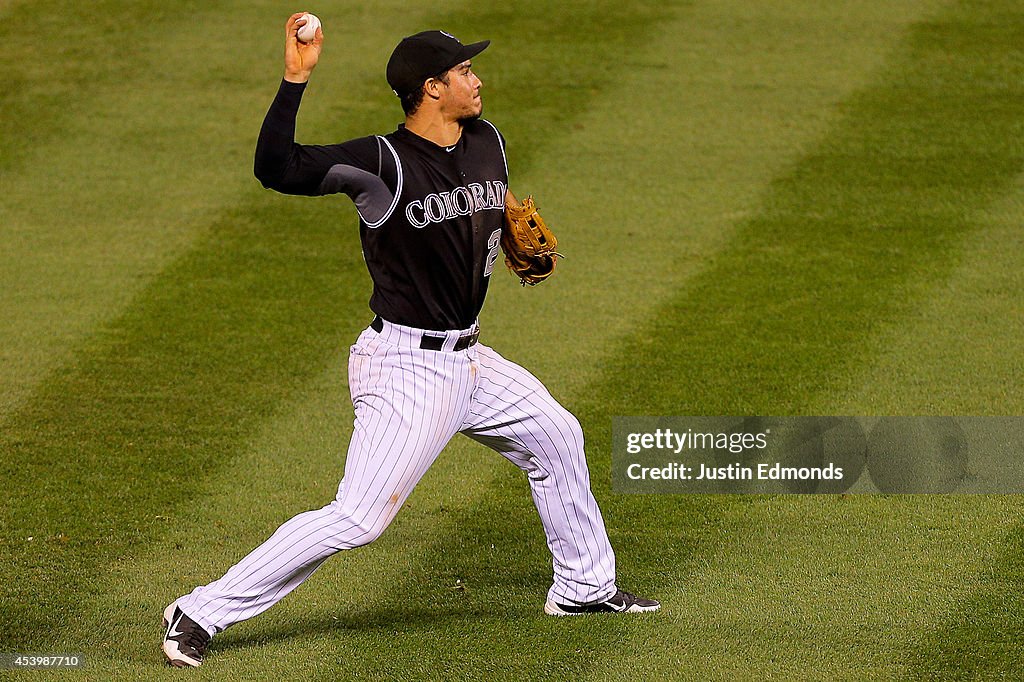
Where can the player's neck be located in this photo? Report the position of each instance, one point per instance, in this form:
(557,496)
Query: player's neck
(434,127)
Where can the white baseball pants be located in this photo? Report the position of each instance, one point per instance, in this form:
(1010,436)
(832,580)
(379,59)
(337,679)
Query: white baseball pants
(409,403)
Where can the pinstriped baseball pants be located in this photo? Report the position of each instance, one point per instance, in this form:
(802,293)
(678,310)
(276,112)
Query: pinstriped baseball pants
(409,403)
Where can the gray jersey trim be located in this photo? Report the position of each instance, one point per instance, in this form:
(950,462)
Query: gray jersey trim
(398,189)
(369,193)
(373,199)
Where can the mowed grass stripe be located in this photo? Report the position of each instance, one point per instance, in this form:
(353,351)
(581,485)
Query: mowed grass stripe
(57,57)
(924,366)
(647,190)
(795,311)
(804,576)
(169,392)
(981,639)
(974,622)
(130,136)
(161,398)
(137,392)
(148,405)
(849,240)
(819,588)
(977,635)
(977,632)
(107,174)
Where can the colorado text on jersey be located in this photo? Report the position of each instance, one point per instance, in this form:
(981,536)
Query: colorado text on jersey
(461,201)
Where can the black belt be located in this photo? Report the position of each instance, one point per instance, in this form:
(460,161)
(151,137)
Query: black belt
(429,342)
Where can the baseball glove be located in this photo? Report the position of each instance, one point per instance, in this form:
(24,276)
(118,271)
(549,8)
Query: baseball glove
(528,244)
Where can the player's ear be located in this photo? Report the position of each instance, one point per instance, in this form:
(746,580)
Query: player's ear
(432,88)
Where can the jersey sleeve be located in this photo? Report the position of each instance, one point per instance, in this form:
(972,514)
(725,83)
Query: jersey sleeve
(282,165)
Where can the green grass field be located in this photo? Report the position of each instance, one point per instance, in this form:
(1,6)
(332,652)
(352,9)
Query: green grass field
(813,208)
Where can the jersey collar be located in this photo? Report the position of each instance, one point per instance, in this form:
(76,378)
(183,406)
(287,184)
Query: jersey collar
(423,143)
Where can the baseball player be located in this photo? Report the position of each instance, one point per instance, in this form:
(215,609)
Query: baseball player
(431,200)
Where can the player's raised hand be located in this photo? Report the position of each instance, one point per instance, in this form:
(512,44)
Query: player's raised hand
(300,57)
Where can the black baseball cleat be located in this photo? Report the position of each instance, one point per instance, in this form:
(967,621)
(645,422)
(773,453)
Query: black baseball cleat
(185,641)
(620,602)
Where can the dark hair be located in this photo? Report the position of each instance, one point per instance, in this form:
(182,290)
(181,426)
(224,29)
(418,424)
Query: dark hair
(411,101)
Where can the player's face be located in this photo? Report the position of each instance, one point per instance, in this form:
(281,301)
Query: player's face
(462,94)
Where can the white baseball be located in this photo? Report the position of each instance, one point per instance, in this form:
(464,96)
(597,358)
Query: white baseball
(307,31)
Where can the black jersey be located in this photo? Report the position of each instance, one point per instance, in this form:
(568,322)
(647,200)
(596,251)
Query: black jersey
(430,217)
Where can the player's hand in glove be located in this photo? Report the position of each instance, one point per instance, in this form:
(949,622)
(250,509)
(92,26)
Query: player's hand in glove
(528,244)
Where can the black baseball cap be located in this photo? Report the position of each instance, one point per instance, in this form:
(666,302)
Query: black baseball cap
(425,55)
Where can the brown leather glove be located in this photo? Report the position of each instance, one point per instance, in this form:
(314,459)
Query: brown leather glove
(528,244)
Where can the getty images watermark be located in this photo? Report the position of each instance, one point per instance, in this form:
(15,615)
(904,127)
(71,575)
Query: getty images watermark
(818,454)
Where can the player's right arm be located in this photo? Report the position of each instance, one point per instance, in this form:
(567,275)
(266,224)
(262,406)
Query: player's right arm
(281,164)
